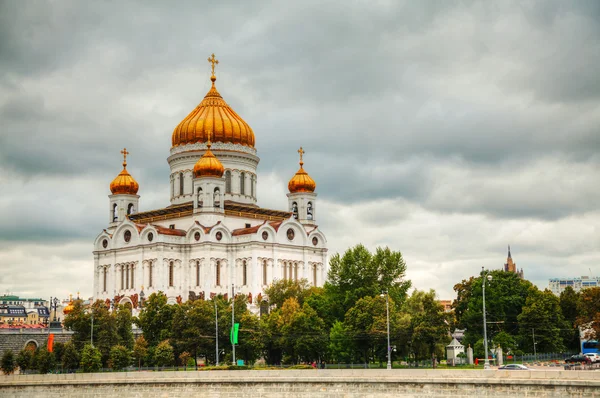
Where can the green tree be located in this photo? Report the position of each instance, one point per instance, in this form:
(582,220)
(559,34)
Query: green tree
(58,349)
(250,347)
(70,357)
(105,330)
(569,301)
(358,274)
(124,321)
(91,359)
(506,341)
(340,345)
(79,321)
(270,337)
(304,333)
(140,350)
(156,319)
(163,355)
(541,315)
(505,296)
(120,357)
(281,290)
(44,360)
(366,323)
(9,363)
(428,324)
(25,359)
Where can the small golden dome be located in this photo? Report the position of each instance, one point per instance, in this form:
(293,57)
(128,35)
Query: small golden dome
(69,308)
(213,116)
(301,181)
(208,165)
(124,183)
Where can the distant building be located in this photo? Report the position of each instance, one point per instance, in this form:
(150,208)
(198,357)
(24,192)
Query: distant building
(13,314)
(447,304)
(558,285)
(28,303)
(511,266)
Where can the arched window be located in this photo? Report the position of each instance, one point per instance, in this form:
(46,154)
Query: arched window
(172,186)
(295,210)
(309,211)
(314,274)
(132,280)
(127,276)
(104,273)
(290,270)
(197,273)
(122,277)
(264,272)
(243,183)
(180,183)
(218,273)
(115,216)
(150,268)
(244,273)
(252,183)
(217,198)
(200,201)
(171,274)
(228,181)
(130,209)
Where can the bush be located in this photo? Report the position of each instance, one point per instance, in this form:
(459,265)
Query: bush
(70,356)
(120,357)
(91,359)
(43,360)
(9,364)
(184,358)
(301,367)
(25,359)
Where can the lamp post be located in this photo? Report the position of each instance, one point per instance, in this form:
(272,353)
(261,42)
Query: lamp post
(54,324)
(233,321)
(216,330)
(389,348)
(485,275)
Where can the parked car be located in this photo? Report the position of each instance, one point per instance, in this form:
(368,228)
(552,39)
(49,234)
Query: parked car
(579,358)
(514,366)
(593,356)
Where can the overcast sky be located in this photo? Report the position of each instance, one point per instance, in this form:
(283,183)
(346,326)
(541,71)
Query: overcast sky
(445,130)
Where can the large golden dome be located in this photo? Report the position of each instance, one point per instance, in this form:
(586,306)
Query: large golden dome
(208,165)
(301,181)
(213,116)
(124,183)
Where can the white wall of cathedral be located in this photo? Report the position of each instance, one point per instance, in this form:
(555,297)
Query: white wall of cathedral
(177,265)
(241,166)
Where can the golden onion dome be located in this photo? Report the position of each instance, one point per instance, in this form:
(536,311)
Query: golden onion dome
(69,308)
(301,181)
(208,165)
(124,183)
(213,116)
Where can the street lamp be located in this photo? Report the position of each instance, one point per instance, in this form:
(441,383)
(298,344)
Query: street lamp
(216,330)
(485,275)
(389,348)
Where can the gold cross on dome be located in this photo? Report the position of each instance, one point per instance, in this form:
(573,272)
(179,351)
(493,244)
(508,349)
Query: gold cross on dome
(125,153)
(214,62)
(301,152)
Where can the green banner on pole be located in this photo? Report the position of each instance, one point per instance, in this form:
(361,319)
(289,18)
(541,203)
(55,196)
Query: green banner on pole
(233,333)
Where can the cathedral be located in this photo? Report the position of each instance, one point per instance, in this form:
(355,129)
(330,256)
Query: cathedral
(213,238)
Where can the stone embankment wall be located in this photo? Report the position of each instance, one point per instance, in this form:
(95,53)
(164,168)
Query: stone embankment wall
(17,339)
(310,383)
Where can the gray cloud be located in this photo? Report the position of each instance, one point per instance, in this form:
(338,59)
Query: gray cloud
(445,118)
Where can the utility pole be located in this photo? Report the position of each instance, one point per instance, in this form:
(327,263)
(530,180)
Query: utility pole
(484,276)
(216,330)
(534,343)
(233,320)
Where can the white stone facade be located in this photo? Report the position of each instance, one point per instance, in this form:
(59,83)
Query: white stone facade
(204,244)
